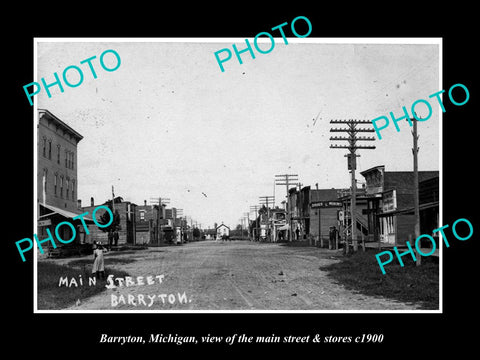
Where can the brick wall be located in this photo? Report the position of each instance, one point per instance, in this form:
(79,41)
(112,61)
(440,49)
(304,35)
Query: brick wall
(56,142)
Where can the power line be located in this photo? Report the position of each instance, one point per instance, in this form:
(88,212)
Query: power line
(287,180)
(352,137)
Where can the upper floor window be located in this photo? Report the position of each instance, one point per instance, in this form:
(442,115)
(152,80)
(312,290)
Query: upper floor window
(73,189)
(58,154)
(44,147)
(69,159)
(50,149)
(61,186)
(45,172)
(55,179)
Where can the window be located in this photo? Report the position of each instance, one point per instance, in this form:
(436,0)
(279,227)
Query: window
(142,215)
(44,146)
(67,188)
(45,172)
(73,189)
(58,154)
(72,161)
(61,186)
(50,149)
(69,159)
(55,184)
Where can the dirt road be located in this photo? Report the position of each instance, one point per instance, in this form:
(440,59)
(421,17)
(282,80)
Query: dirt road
(236,275)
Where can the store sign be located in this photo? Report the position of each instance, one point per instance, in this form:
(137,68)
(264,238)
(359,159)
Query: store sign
(390,201)
(325,204)
(45,222)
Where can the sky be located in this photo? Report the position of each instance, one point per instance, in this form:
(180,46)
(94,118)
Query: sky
(168,123)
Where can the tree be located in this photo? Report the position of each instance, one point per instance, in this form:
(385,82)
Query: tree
(105,219)
(196,233)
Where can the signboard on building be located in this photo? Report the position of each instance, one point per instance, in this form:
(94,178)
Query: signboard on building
(389,201)
(45,222)
(325,204)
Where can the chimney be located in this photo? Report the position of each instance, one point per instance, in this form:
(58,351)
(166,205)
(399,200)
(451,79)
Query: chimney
(145,202)
(92,203)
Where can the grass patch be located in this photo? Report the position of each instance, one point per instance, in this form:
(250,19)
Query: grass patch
(51,296)
(416,284)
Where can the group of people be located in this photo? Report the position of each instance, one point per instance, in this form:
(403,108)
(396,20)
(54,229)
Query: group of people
(224,237)
(112,238)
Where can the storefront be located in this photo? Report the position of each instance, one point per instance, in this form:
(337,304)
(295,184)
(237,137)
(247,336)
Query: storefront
(50,216)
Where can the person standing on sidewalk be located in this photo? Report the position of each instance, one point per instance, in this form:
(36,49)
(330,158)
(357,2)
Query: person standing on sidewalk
(98,269)
(110,238)
(115,238)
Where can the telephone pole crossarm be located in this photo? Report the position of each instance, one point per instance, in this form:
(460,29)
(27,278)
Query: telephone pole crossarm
(352,131)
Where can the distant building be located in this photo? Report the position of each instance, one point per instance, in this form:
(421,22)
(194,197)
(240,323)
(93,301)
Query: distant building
(127,233)
(278,224)
(222,230)
(147,217)
(324,212)
(313,211)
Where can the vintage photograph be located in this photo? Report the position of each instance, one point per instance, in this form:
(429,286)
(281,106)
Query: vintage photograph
(167,181)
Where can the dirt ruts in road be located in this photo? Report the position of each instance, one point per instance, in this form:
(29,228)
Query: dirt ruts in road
(237,275)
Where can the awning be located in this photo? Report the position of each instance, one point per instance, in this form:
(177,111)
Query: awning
(65,213)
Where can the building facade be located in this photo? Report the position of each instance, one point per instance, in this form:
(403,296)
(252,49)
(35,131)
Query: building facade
(222,230)
(324,213)
(390,203)
(57,181)
(127,232)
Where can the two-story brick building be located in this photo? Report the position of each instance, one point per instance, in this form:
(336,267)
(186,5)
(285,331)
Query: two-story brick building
(57,180)
(390,203)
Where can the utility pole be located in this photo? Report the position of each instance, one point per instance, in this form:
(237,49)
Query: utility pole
(161,201)
(242,219)
(248,225)
(352,132)
(246,219)
(287,180)
(265,200)
(416,205)
(179,213)
(255,208)
(113,201)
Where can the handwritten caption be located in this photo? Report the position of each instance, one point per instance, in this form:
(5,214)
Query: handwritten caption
(135,300)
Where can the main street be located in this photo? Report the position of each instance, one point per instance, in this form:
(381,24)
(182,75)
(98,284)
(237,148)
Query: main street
(234,275)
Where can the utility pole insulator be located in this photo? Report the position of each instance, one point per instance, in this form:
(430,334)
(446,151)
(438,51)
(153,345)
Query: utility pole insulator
(352,131)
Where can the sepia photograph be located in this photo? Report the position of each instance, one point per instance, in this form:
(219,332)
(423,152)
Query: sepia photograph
(228,175)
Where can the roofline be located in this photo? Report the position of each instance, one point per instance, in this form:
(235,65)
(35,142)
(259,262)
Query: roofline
(61,123)
(372,168)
